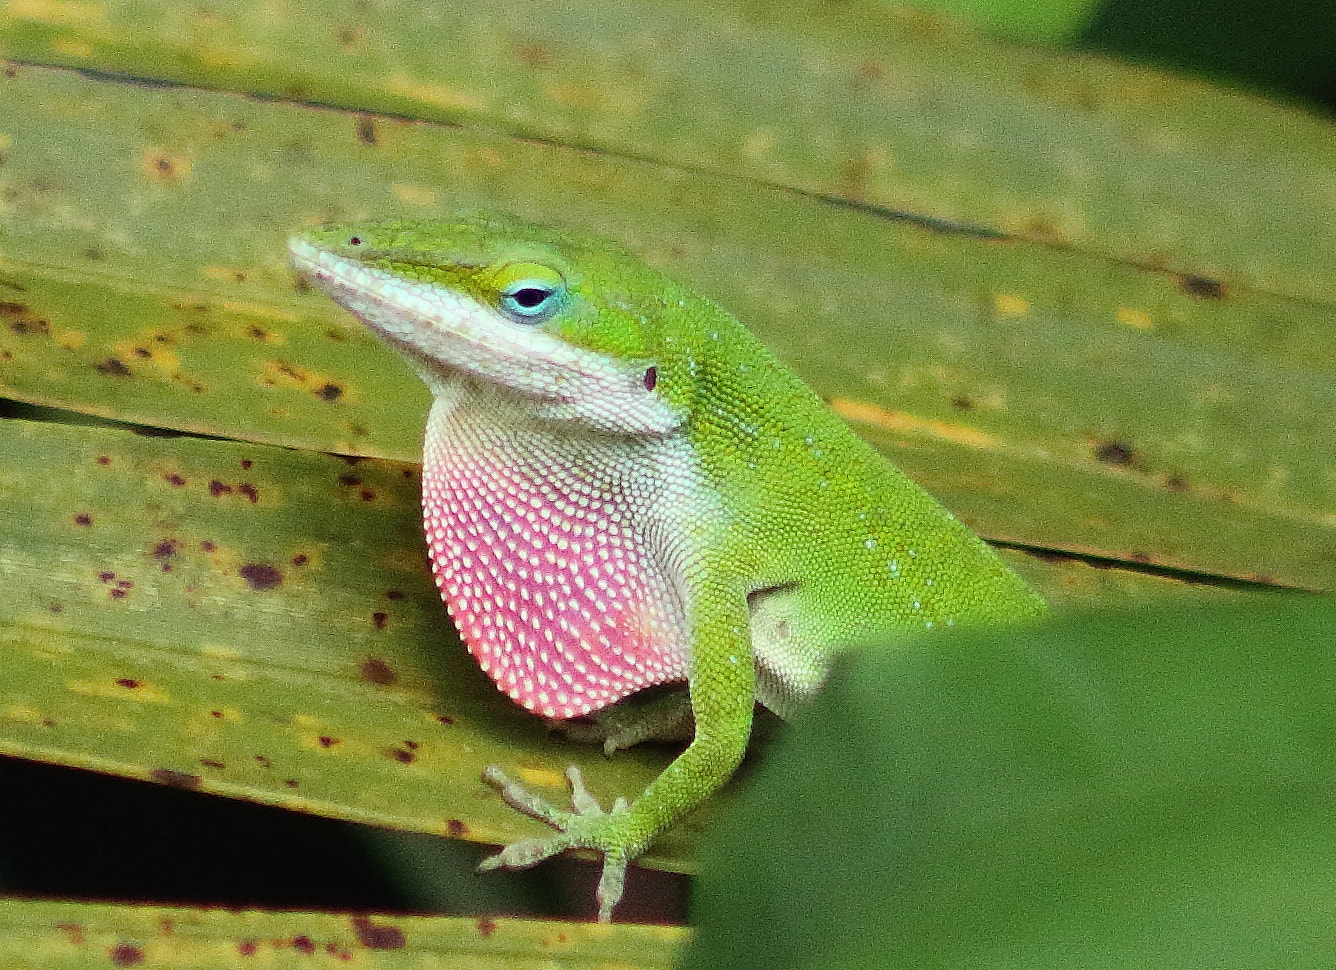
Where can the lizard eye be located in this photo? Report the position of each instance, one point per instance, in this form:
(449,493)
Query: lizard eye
(530,293)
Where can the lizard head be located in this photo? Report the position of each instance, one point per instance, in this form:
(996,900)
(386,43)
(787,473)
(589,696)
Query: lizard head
(572,326)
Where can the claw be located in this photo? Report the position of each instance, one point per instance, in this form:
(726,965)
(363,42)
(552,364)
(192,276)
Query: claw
(588,826)
(584,803)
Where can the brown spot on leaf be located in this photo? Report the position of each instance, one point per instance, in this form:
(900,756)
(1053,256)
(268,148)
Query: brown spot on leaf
(165,549)
(129,683)
(349,35)
(24,322)
(246,464)
(249,490)
(962,403)
(376,936)
(104,459)
(174,480)
(455,828)
(366,130)
(260,575)
(380,620)
(377,671)
(1115,453)
(393,594)
(264,761)
(106,577)
(207,546)
(218,489)
(291,782)
(303,944)
(349,481)
(83,518)
(486,926)
(125,955)
(368,495)
(210,763)
(301,559)
(113,367)
(1202,287)
(1177,483)
(162,167)
(246,948)
(74,932)
(176,779)
(444,719)
(532,54)
(116,594)
(326,741)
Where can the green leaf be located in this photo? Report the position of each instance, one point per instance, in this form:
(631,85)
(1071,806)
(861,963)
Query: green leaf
(1150,790)
(257,622)
(61,935)
(1048,397)
(873,103)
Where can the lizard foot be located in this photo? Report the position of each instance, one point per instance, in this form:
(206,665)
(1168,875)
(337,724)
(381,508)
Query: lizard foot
(588,826)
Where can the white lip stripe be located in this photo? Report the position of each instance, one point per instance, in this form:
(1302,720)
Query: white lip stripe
(440,327)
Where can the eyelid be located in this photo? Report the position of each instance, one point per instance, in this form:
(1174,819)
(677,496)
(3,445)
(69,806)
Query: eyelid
(505,276)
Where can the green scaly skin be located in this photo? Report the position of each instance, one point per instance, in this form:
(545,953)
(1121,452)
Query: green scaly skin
(770,534)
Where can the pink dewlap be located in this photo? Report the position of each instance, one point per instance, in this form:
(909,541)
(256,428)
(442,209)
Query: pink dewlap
(554,592)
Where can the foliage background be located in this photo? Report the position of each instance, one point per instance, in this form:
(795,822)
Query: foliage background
(187,847)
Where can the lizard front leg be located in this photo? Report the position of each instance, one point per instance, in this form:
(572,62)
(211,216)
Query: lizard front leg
(722,688)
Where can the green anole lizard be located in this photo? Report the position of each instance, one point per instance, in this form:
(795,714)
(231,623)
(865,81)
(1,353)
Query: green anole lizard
(622,488)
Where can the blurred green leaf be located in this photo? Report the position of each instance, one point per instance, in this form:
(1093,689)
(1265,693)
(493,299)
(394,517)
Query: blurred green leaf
(1044,21)
(60,935)
(1150,790)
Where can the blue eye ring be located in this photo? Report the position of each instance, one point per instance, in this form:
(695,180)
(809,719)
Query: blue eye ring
(531,300)
(528,293)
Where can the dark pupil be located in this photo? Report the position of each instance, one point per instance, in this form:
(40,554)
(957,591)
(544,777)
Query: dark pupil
(530,297)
